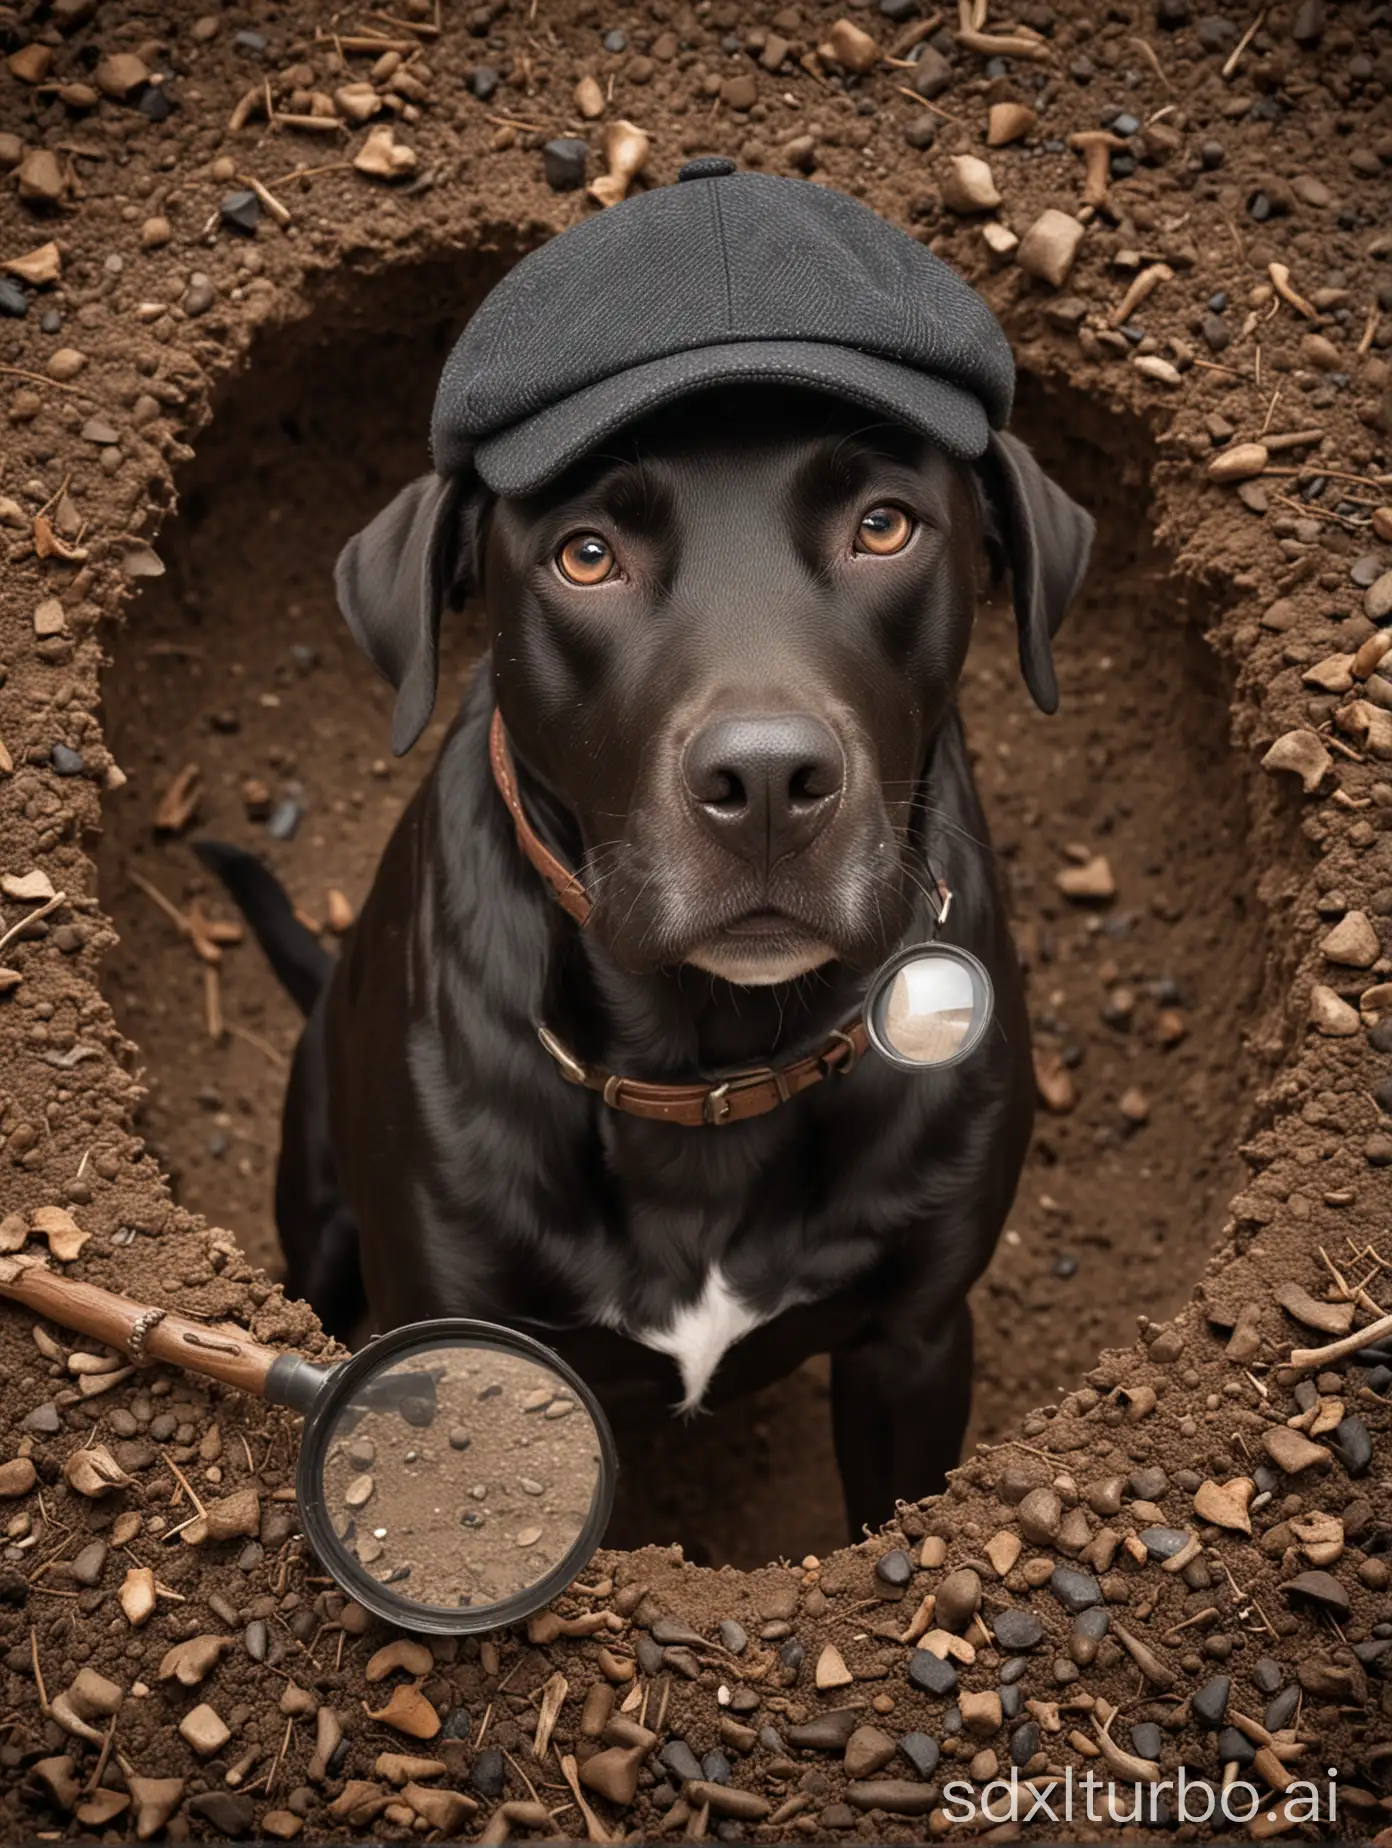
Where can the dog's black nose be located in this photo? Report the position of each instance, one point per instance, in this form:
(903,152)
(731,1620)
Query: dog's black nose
(765,786)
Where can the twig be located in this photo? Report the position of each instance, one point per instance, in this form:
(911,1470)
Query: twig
(254,1039)
(212,1001)
(1147,51)
(186,1486)
(532,128)
(52,904)
(914,96)
(166,905)
(38,1672)
(38,378)
(96,1776)
(1369,330)
(1348,1344)
(1235,58)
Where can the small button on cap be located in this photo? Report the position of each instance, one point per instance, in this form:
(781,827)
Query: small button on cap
(708,167)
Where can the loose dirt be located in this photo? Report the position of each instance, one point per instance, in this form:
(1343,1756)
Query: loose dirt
(1183,1553)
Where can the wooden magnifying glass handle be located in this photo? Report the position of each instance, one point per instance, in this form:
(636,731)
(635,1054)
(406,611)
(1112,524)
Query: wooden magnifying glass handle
(147,1333)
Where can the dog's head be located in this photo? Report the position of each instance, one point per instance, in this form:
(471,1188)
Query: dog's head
(724,641)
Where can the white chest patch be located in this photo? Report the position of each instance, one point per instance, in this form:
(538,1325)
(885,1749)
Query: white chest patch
(699,1334)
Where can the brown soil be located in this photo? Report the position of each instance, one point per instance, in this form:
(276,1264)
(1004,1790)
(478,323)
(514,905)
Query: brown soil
(1207,633)
(470,1492)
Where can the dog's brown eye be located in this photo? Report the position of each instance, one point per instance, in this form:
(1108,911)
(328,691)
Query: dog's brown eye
(585,559)
(884,530)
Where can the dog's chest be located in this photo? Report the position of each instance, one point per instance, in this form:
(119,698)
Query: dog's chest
(701,1330)
(715,1249)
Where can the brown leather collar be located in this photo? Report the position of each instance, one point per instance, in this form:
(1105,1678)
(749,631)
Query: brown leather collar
(733,1099)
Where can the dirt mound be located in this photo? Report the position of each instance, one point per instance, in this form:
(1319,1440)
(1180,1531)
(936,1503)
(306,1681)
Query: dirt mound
(1181,222)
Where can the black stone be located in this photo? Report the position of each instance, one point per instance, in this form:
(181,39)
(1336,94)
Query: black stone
(66,761)
(666,1630)
(457,1724)
(921,132)
(1017,1630)
(1014,1670)
(1234,1747)
(793,1654)
(1075,1590)
(1260,207)
(1365,571)
(254,42)
(43,1421)
(1212,155)
(488,1773)
(1147,1739)
(1266,1675)
(1281,1711)
(733,1635)
(1211,1701)
(681,1761)
(155,103)
(1218,301)
(921,1752)
(1373,1651)
(1093,1622)
(483,81)
(1216,332)
(1170,15)
(1352,1444)
(615,40)
(896,11)
(715,1768)
(1216,33)
(1164,1542)
(51,322)
(13,300)
(1125,125)
(229,1812)
(931,1673)
(827,1733)
(895,1569)
(1012,1699)
(1024,1743)
(241,210)
(1320,1588)
(563,163)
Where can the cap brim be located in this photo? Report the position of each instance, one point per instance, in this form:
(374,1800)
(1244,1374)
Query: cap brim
(527,455)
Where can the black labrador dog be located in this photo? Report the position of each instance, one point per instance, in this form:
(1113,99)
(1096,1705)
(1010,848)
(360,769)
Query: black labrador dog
(724,647)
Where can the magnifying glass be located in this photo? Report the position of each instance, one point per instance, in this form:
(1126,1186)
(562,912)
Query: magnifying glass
(929,1006)
(454,1476)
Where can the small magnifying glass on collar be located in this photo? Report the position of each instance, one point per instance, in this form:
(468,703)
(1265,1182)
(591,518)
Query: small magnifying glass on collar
(929,1006)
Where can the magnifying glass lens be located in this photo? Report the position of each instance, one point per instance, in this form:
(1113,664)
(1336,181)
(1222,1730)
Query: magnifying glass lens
(459,1478)
(929,1006)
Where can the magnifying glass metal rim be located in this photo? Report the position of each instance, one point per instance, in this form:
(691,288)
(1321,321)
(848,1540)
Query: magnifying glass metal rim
(350,1576)
(878,996)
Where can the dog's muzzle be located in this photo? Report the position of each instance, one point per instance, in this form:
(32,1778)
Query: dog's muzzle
(927,1008)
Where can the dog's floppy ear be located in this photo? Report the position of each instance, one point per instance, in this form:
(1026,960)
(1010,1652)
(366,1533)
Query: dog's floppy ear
(1044,538)
(396,576)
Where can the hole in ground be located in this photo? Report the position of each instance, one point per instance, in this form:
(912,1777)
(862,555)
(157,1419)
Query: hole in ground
(238,661)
